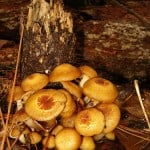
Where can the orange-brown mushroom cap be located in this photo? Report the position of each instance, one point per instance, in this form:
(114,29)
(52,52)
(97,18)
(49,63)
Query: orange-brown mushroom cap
(89,122)
(72,88)
(100,89)
(70,106)
(35,81)
(45,104)
(88,71)
(16,95)
(112,116)
(64,72)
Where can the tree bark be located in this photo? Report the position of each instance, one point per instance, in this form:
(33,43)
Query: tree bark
(48,37)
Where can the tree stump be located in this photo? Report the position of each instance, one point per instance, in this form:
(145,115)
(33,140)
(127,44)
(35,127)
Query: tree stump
(48,37)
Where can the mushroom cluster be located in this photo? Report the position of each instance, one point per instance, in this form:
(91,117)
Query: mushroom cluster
(74,116)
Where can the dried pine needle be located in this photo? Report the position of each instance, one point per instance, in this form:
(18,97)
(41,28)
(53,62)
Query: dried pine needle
(141,102)
(132,132)
(11,95)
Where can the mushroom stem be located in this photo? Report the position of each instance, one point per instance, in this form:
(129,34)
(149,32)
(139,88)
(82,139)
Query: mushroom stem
(141,103)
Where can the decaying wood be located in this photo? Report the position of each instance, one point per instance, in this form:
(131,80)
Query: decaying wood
(48,37)
(10,12)
(116,41)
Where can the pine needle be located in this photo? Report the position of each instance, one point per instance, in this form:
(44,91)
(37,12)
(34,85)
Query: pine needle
(11,94)
(141,102)
(132,132)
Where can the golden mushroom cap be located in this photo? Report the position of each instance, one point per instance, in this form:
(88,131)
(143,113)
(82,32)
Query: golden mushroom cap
(35,137)
(17,93)
(112,116)
(70,106)
(56,129)
(89,122)
(68,139)
(14,132)
(49,142)
(87,143)
(45,104)
(64,72)
(72,88)
(88,71)
(110,135)
(100,89)
(35,81)
(20,116)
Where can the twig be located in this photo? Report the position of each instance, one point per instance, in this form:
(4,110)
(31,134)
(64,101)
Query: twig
(141,103)
(128,98)
(13,85)
(8,143)
(137,15)
(3,132)
(13,144)
(2,117)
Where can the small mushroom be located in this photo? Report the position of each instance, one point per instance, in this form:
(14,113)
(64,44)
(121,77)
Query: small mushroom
(68,139)
(16,95)
(72,88)
(100,89)
(15,132)
(45,104)
(87,73)
(49,142)
(87,143)
(35,81)
(70,106)
(35,137)
(89,122)
(57,129)
(112,116)
(21,117)
(110,135)
(64,72)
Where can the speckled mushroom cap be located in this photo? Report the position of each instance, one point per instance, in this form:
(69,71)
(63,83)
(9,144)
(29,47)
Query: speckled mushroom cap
(45,104)
(35,81)
(64,72)
(100,89)
(89,122)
